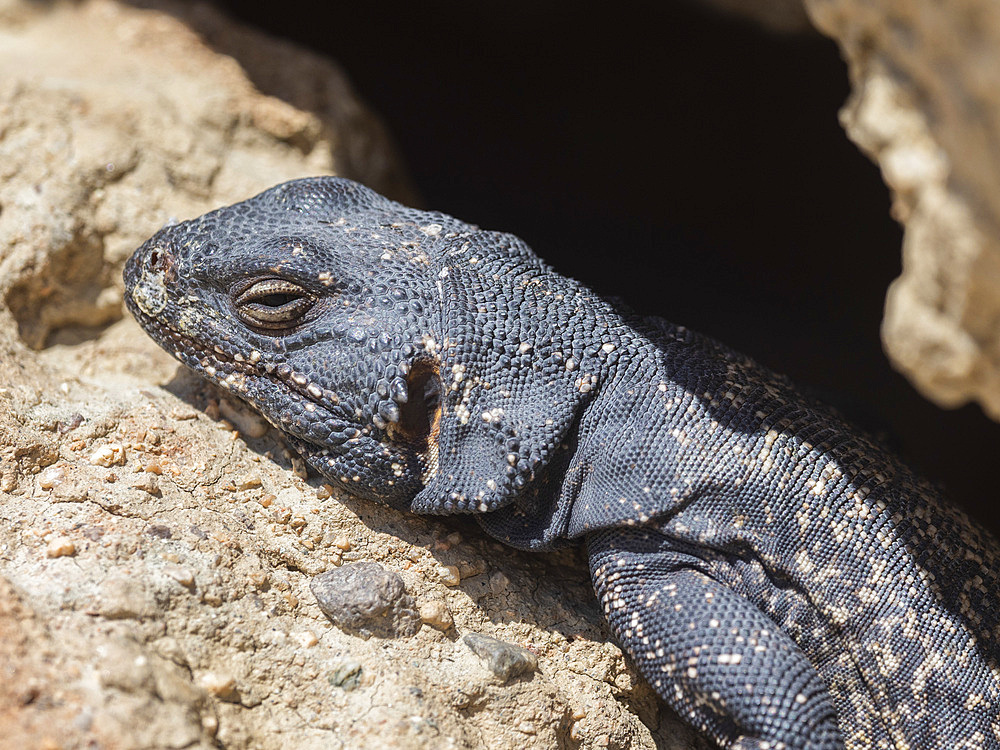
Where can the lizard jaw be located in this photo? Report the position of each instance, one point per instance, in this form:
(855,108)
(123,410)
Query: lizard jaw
(251,382)
(261,383)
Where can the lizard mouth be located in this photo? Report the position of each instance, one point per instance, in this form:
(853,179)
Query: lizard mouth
(415,433)
(326,428)
(250,380)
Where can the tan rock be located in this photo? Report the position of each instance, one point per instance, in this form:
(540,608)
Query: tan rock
(60,546)
(925,103)
(435,613)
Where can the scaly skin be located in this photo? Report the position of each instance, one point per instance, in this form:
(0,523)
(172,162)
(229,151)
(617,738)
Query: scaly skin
(779,579)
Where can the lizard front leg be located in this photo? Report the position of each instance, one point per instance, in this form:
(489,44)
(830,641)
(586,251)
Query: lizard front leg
(712,655)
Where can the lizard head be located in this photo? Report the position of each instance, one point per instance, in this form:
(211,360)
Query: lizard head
(312,301)
(373,335)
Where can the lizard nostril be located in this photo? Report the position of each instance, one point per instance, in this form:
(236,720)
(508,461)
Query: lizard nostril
(156,261)
(160,261)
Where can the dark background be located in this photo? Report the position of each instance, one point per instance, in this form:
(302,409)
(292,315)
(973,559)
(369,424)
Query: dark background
(690,164)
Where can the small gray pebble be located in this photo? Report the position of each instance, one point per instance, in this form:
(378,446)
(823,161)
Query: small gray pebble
(366,599)
(346,675)
(503,659)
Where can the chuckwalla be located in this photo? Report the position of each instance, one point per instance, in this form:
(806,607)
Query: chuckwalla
(778,578)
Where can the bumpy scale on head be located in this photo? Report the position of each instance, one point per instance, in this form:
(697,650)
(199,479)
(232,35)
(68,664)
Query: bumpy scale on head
(779,579)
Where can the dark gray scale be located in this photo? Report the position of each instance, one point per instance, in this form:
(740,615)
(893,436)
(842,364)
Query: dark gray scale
(778,578)
(706,648)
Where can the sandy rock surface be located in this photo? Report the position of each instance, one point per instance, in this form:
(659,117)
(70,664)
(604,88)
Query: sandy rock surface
(157,542)
(925,104)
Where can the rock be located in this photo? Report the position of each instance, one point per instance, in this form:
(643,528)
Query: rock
(449,575)
(503,659)
(118,120)
(61,546)
(219,684)
(109,455)
(366,599)
(925,78)
(346,675)
(436,614)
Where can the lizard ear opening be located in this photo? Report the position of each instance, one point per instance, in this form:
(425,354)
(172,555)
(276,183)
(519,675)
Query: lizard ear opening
(420,415)
(513,380)
(488,448)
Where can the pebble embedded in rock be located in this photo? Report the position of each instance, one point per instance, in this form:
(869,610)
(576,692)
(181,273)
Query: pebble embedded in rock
(184,576)
(60,547)
(346,675)
(503,659)
(146,482)
(248,423)
(449,575)
(108,455)
(220,685)
(306,638)
(436,614)
(51,477)
(366,599)
(499,582)
(249,482)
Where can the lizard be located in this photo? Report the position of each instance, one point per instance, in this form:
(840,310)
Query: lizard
(778,578)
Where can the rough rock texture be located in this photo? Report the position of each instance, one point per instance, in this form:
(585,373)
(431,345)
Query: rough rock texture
(366,599)
(505,660)
(157,543)
(925,105)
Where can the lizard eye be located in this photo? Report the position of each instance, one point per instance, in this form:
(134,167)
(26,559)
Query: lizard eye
(273,304)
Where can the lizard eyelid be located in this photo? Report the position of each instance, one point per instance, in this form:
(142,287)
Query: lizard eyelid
(273,304)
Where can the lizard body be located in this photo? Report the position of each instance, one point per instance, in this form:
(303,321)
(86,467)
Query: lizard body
(779,579)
